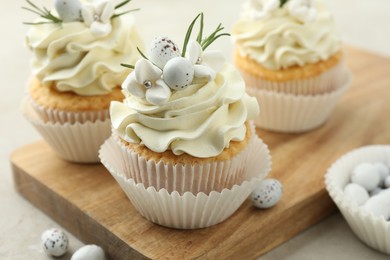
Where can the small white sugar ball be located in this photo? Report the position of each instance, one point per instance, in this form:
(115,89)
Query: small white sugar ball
(366,175)
(379,205)
(54,242)
(267,194)
(356,193)
(89,252)
(383,171)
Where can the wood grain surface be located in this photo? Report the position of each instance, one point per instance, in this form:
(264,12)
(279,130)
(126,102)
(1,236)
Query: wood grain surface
(87,201)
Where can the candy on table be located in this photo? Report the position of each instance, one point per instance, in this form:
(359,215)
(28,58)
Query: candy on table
(267,193)
(89,252)
(55,242)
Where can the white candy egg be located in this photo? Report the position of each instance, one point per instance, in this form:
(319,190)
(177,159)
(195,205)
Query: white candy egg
(178,73)
(54,242)
(68,10)
(89,252)
(267,194)
(356,193)
(379,205)
(163,49)
(366,175)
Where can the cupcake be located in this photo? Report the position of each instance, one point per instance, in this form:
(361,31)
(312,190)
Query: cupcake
(183,146)
(77,51)
(289,54)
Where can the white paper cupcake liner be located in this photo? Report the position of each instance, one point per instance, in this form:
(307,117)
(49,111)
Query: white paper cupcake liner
(373,231)
(289,113)
(206,177)
(77,142)
(324,83)
(189,210)
(63,117)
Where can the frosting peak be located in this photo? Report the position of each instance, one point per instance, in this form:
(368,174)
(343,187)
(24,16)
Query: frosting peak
(299,33)
(73,57)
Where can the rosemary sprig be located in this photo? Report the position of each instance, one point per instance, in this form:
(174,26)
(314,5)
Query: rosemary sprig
(188,35)
(42,12)
(212,37)
(125,12)
(203,42)
(122,4)
(200,34)
(127,66)
(283,2)
(132,66)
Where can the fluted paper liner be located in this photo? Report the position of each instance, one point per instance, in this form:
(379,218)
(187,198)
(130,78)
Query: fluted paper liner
(326,82)
(75,142)
(63,117)
(290,113)
(195,178)
(373,231)
(187,210)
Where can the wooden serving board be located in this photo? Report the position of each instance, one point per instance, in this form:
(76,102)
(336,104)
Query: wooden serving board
(87,201)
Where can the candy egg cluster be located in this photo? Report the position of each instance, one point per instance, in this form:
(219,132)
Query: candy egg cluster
(369,188)
(267,193)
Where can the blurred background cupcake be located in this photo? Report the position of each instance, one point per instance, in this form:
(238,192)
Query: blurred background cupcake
(77,50)
(290,56)
(183,135)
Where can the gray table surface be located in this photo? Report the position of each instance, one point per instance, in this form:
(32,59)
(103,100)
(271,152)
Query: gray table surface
(362,23)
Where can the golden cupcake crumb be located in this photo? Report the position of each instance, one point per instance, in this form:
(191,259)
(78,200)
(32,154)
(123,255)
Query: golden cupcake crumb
(169,157)
(50,98)
(291,73)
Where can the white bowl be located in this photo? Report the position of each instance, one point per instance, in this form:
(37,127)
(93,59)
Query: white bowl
(373,231)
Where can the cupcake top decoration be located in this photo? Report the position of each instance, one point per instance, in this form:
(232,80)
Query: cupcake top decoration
(303,10)
(167,69)
(96,14)
(279,34)
(79,45)
(185,100)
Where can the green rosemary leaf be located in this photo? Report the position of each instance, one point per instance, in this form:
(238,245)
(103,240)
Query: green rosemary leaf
(143,55)
(33,5)
(200,34)
(44,13)
(127,66)
(213,39)
(31,10)
(125,12)
(37,23)
(122,4)
(188,35)
(283,2)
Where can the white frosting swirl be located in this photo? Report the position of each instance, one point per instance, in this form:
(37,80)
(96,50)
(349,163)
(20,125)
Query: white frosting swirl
(200,120)
(74,59)
(280,40)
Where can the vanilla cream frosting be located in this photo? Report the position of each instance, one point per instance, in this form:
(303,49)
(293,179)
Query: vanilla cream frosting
(72,58)
(199,120)
(280,40)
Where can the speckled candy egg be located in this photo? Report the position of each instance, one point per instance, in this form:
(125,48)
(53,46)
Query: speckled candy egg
(178,73)
(68,10)
(89,252)
(163,49)
(54,242)
(267,194)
